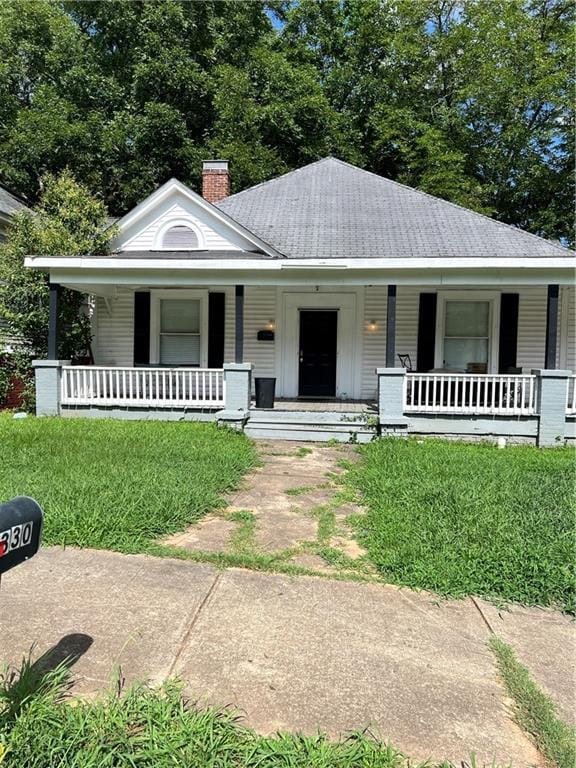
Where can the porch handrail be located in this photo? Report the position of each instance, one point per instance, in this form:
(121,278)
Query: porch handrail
(152,387)
(571,398)
(468,393)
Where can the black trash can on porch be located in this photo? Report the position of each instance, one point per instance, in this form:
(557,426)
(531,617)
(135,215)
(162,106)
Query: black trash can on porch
(265,389)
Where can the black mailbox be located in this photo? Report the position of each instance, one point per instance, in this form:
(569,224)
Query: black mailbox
(20,531)
(265,335)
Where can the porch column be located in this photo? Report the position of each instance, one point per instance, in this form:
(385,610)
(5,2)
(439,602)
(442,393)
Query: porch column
(53,322)
(48,376)
(391,327)
(551,327)
(391,401)
(238,386)
(552,397)
(239,315)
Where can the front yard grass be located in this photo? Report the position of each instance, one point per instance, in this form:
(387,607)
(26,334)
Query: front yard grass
(117,484)
(461,519)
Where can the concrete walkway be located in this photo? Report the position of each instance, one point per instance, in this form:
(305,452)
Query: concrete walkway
(290,508)
(292,653)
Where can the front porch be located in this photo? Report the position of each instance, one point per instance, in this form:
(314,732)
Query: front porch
(482,363)
(536,408)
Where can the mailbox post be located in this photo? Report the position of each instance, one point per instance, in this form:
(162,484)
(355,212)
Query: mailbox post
(21,522)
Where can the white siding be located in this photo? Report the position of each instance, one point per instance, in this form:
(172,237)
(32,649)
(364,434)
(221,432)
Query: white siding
(531,327)
(531,323)
(568,328)
(146,239)
(114,330)
(259,310)
(113,326)
(229,325)
(407,305)
(374,340)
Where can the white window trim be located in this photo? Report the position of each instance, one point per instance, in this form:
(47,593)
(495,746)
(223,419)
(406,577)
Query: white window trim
(177,293)
(178,222)
(493,297)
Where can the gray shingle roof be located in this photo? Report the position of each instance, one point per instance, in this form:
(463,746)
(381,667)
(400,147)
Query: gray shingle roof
(9,204)
(331,209)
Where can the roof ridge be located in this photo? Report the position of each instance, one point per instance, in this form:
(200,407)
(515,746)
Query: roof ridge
(455,205)
(236,195)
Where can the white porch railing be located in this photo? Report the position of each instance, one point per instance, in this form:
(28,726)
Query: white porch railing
(571,400)
(157,387)
(470,394)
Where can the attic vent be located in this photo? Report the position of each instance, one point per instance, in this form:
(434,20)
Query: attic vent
(180,238)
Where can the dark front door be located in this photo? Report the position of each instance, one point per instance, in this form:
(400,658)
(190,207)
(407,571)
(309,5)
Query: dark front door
(317,371)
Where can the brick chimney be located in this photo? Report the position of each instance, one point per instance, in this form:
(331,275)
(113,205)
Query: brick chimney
(215,180)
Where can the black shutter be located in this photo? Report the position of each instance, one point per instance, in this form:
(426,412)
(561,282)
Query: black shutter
(426,332)
(216,332)
(141,328)
(508,331)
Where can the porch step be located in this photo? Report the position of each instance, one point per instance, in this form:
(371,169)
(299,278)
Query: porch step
(313,426)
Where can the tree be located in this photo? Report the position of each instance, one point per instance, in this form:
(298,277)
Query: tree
(470,100)
(67,221)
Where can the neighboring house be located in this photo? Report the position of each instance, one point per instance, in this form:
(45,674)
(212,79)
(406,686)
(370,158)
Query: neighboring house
(9,205)
(318,278)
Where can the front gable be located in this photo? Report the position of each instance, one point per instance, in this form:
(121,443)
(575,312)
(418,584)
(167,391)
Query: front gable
(149,228)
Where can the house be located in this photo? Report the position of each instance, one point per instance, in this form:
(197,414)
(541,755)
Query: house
(9,205)
(373,305)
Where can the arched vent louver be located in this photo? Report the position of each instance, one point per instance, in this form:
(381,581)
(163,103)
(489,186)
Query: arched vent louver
(180,238)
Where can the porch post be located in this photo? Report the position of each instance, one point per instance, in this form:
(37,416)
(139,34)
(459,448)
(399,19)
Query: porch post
(239,316)
(391,327)
(238,387)
(552,397)
(551,327)
(53,322)
(391,401)
(48,376)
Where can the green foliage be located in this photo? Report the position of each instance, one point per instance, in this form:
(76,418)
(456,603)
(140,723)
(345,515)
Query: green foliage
(468,99)
(117,484)
(535,712)
(463,519)
(67,221)
(160,728)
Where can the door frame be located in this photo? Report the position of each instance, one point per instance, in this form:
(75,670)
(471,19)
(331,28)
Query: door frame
(348,340)
(335,318)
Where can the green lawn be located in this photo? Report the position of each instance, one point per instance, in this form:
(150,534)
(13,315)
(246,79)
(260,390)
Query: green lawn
(464,519)
(119,484)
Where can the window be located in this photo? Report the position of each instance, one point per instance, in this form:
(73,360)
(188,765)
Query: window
(180,238)
(466,335)
(179,332)
(467,332)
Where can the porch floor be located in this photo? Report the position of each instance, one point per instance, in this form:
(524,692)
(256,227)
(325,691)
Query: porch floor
(321,406)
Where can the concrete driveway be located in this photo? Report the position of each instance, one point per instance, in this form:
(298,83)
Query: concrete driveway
(301,653)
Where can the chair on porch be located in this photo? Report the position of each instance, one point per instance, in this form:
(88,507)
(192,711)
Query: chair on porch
(406,363)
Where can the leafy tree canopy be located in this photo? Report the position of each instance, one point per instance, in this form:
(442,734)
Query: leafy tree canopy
(67,221)
(469,100)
